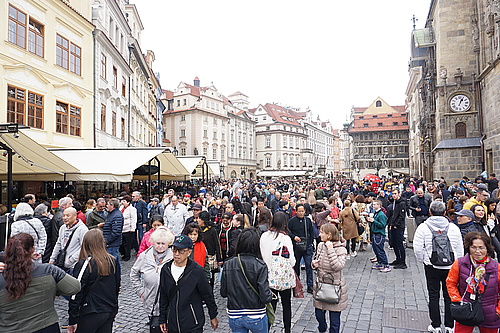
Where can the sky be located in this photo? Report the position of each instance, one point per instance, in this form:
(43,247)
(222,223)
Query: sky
(325,55)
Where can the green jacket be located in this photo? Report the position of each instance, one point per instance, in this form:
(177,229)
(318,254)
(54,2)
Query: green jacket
(93,219)
(35,309)
(379,222)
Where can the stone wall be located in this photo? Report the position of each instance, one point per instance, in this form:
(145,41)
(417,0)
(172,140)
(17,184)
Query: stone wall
(456,163)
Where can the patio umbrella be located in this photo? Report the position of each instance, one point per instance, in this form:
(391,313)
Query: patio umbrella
(372,178)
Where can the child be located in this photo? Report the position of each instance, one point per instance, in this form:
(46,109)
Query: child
(379,221)
(329,262)
(199,253)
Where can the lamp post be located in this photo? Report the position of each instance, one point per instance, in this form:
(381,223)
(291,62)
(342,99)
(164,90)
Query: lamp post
(222,166)
(244,170)
(378,165)
(175,151)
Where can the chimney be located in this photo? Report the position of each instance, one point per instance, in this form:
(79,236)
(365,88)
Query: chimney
(196,82)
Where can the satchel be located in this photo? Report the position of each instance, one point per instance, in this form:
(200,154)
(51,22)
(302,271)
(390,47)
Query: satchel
(61,256)
(327,292)
(302,245)
(298,290)
(281,272)
(469,313)
(271,317)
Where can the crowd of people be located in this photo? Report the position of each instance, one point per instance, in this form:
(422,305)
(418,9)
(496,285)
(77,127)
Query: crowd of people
(255,237)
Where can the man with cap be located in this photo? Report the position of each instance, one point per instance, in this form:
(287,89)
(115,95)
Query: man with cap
(481,196)
(183,289)
(155,208)
(197,208)
(465,219)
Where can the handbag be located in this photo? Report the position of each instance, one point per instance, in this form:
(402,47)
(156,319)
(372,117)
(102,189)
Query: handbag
(298,290)
(328,292)
(361,229)
(469,313)
(61,256)
(281,272)
(271,316)
(212,262)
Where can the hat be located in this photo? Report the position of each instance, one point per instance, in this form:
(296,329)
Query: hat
(183,242)
(466,212)
(371,194)
(155,199)
(197,206)
(187,195)
(482,187)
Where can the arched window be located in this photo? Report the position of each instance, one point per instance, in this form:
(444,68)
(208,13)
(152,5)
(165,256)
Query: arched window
(233,174)
(460,130)
(378,104)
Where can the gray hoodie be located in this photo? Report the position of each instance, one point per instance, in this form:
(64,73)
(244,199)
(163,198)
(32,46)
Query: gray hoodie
(73,250)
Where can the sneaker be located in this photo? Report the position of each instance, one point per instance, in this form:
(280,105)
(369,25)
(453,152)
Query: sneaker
(394,263)
(348,256)
(386,269)
(448,330)
(378,266)
(403,266)
(354,254)
(373,259)
(433,329)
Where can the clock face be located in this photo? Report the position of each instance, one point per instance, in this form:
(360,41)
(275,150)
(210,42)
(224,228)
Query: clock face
(460,103)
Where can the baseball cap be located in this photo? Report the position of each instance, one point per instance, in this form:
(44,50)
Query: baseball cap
(466,212)
(197,206)
(183,242)
(482,187)
(187,195)
(155,199)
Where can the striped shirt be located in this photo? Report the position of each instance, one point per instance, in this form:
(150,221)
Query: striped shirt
(251,313)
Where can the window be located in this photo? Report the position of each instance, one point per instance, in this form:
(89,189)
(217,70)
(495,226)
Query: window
(17,27)
(62,52)
(103,66)
(214,153)
(285,139)
(361,117)
(365,125)
(215,134)
(184,101)
(123,128)
(405,123)
(264,118)
(178,102)
(183,132)
(75,59)
(124,86)
(103,117)
(223,136)
(268,161)
(115,77)
(374,117)
(35,38)
(378,104)
(61,117)
(183,117)
(205,133)
(35,110)
(75,120)
(113,123)
(395,123)
(460,130)
(268,128)
(205,151)
(15,105)
(285,160)
(268,141)
(183,151)
(389,115)
(379,124)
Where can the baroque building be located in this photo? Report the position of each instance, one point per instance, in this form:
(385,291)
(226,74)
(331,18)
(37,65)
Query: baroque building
(379,139)
(46,57)
(320,141)
(453,92)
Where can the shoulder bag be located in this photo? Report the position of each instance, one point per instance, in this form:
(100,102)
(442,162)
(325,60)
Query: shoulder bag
(281,273)
(61,256)
(328,292)
(269,307)
(301,246)
(469,313)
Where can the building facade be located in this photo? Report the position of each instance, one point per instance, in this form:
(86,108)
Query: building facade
(458,88)
(379,140)
(46,58)
(320,141)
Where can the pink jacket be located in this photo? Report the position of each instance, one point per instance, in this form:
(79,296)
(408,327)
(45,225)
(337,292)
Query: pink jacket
(145,244)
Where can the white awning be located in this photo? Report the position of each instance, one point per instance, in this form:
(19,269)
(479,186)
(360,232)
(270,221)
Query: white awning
(106,164)
(170,168)
(192,163)
(282,173)
(214,166)
(31,160)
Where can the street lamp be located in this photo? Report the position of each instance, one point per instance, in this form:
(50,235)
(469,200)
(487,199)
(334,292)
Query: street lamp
(378,165)
(222,166)
(244,170)
(175,151)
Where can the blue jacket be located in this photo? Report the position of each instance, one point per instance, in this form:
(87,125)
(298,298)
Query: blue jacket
(112,229)
(142,211)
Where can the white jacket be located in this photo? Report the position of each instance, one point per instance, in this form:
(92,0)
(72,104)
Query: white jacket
(268,244)
(129,218)
(175,218)
(422,241)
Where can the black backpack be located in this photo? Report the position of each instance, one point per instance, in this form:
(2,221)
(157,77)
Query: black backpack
(442,253)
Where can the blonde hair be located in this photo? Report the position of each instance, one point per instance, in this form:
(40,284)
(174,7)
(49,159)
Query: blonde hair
(331,230)
(162,234)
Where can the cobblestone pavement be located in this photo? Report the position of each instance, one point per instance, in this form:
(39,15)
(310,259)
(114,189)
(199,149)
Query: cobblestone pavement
(378,302)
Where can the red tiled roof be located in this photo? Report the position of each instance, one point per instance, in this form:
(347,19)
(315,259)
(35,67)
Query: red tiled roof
(372,123)
(281,115)
(168,94)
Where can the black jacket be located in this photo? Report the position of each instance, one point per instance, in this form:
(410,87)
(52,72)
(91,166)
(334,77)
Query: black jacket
(184,313)
(296,227)
(47,224)
(397,215)
(99,294)
(414,204)
(234,286)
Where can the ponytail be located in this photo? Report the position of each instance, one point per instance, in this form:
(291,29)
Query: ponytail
(18,264)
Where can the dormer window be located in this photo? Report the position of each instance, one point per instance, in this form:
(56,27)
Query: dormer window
(378,104)
(374,117)
(365,125)
(361,117)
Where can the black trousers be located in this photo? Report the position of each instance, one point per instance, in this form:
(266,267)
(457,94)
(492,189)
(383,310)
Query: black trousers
(436,280)
(286,303)
(54,328)
(96,323)
(351,245)
(127,240)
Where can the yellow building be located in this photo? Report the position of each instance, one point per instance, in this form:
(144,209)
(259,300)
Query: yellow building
(46,62)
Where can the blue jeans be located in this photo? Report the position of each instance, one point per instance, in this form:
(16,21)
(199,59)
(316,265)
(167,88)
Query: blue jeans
(334,320)
(114,251)
(245,324)
(140,232)
(307,255)
(378,241)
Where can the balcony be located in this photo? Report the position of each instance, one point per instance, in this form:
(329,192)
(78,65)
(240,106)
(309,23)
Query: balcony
(306,151)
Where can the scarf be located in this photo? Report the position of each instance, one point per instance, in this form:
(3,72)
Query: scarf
(159,257)
(476,282)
